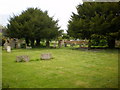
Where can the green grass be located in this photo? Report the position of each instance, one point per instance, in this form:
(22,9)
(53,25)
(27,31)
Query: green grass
(68,69)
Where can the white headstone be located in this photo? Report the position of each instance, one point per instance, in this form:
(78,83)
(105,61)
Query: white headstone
(8,49)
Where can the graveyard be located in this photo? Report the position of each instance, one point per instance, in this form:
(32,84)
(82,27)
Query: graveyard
(37,52)
(69,68)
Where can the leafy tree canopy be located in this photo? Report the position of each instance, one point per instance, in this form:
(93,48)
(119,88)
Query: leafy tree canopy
(33,24)
(101,18)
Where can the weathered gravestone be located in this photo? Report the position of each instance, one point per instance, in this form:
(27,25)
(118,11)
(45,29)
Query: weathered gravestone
(12,43)
(23,58)
(46,56)
(19,43)
(59,43)
(54,45)
(5,45)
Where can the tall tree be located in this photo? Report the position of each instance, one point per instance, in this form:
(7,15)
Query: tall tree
(96,18)
(33,24)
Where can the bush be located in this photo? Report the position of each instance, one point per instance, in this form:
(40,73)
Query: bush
(23,45)
(98,40)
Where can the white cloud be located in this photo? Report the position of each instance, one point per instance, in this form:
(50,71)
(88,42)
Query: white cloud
(60,9)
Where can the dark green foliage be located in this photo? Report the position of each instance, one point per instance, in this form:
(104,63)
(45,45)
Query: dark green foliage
(33,24)
(65,36)
(98,40)
(96,18)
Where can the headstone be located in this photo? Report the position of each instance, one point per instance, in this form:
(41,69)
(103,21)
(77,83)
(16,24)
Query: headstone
(46,56)
(60,43)
(23,58)
(12,43)
(54,45)
(18,45)
(18,59)
(5,45)
(8,48)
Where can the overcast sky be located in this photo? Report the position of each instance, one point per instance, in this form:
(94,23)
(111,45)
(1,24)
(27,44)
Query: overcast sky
(60,9)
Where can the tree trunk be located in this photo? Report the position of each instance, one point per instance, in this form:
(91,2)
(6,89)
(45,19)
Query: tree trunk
(89,44)
(47,43)
(65,44)
(27,41)
(32,42)
(37,42)
(111,42)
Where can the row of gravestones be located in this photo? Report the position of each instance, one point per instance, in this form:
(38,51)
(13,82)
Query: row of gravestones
(26,58)
(60,44)
(13,43)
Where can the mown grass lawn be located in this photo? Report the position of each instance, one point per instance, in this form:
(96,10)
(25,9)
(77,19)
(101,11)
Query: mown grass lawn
(68,69)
